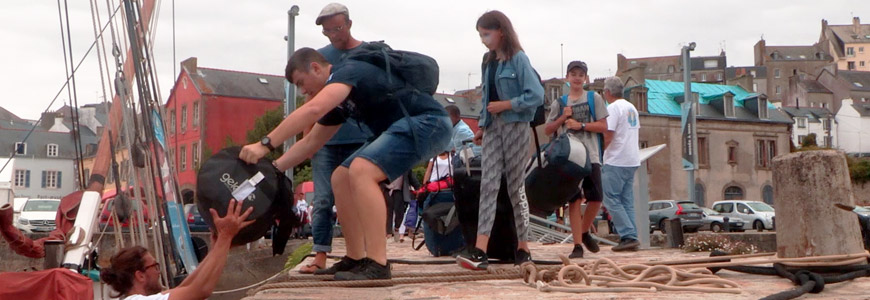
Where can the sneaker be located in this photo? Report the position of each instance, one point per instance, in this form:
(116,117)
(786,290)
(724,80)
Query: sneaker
(626,245)
(473,259)
(590,242)
(522,256)
(577,252)
(345,264)
(367,269)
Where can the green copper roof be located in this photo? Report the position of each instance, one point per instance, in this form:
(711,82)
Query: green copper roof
(662,94)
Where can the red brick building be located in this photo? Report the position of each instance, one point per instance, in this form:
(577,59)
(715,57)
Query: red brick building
(207,108)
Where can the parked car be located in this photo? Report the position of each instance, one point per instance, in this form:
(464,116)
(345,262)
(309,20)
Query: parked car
(756,214)
(862,210)
(17,205)
(715,221)
(194,219)
(662,210)
(38,215)
(107,222)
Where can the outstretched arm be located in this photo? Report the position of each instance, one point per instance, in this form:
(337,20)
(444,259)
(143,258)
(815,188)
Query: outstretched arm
(306,147)
(198,286)
(328,98)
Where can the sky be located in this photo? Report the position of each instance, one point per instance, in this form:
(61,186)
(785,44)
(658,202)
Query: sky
(249,36)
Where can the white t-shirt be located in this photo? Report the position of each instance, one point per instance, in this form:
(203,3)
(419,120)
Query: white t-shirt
(152,297)
(440,168)
(624,121)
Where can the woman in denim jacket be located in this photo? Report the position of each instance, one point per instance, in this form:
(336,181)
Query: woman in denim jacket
(511,93)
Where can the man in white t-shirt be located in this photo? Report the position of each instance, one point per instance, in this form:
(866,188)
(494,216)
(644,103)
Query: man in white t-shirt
(135,274)
(621,160)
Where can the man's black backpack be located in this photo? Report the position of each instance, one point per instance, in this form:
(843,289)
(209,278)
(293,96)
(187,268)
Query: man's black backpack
(417,70)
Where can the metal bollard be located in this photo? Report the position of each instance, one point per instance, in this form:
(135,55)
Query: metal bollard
(54,250)
(727,226)
(674,228)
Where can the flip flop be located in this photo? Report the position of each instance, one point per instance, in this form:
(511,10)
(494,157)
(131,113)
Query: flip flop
(309,269)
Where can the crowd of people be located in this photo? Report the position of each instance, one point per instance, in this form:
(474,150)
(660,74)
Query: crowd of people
(364,130)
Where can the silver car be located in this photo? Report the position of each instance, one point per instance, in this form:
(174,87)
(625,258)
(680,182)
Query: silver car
(756,214)
(715,221)
(662,210)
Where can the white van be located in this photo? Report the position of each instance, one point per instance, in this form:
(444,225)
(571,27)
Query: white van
(757,214)
(38,215)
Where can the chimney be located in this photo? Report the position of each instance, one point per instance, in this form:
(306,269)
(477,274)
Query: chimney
(189,64)
(856,25)
(47,120)
(621,63)
(824,25)
(760,52)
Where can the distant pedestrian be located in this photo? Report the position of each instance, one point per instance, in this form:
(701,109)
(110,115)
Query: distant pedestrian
(461,131)
(621,160)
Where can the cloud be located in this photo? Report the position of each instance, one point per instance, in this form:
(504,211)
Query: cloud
(248,36)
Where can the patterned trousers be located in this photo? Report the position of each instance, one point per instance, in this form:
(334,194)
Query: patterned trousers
(505,153)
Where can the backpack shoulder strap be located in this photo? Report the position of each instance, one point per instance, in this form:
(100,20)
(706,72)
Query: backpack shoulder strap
(563,101)
(590,98)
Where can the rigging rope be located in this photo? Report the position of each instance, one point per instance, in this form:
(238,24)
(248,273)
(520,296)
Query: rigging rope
(56,95)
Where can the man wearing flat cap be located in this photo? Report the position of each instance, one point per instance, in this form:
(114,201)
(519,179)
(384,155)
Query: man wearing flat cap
(335,21)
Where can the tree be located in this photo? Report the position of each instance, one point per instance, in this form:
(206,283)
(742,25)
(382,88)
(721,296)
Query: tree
(302,173)
(265,124)
(809,141)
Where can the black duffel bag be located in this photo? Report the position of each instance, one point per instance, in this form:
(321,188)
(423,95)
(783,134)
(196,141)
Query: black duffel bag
(272,199)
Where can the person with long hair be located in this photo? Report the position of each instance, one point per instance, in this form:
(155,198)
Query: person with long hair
(135,275)
(511,92)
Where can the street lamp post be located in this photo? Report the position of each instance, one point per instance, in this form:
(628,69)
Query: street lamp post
(690,139)
(289,88)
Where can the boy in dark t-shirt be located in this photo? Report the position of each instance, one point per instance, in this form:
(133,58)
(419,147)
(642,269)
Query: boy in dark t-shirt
(408,127)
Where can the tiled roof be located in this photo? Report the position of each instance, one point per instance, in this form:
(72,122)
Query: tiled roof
(847,34)
(6,115)
(238,84)
(662,99)
(858,80)
(813,114)
(813,86)
(38,141)
(467,109)
(796,53)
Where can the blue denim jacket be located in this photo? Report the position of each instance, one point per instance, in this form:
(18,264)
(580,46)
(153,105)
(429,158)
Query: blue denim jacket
(515,80)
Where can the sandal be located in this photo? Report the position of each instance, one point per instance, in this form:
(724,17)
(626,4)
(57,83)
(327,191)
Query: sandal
(309,269)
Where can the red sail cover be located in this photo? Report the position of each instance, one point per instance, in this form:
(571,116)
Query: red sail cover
(59,284)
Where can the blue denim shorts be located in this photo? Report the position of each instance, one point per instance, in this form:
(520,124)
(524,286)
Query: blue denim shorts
(407,142)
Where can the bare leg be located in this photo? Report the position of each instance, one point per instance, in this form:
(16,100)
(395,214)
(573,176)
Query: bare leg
(370,205)
(589,215)
(575,213)
(348,213)
(482,242)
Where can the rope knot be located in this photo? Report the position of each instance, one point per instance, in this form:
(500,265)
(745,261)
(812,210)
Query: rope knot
(804,276)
